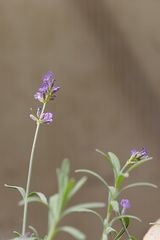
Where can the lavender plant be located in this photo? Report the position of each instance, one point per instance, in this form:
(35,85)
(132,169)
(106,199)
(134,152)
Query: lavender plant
(115,206)
(67,187)
(57,204)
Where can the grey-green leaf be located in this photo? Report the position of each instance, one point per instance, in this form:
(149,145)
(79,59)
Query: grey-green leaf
(123,230)
(20,189)
(81,207)
(94,174)
(17,234)
(109,230)
(35,233)
(62,174)
(40,197)
(73,232)
(124,216)
(77,186)
(66,193)
(139,184)
(53,209)
(113,160)
(135,165)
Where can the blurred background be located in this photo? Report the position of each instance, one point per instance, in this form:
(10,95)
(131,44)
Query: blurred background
(106,57)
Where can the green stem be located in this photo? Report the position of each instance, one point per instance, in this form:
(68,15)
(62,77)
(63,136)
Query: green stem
(52,232)
(29,175)
(106,222)
(126,230)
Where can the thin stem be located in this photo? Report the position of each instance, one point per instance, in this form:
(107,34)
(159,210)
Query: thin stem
(125,228)
(52,232)
(106,222)
(29,175)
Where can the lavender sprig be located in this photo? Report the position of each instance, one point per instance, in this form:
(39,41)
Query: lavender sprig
(45,93)
(116,209)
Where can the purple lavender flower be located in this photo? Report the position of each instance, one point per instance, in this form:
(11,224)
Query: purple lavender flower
(138,155)
(42,117)
(47,90)
(48,76)
(125,204)
(46,117)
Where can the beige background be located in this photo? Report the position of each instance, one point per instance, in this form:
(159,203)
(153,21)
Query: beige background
(106,56)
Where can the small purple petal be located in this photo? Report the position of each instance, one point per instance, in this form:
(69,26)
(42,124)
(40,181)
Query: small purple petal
(47,89)
(125,203)
(39,111)
(44,87)
(39,96)
(139,154)
(134,152)
(48,76)
(46,118)
(144,152)
(55,89)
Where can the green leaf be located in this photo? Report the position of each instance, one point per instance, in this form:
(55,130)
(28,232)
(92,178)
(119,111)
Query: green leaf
(139,184)
(124,216)
(20,189)
(132,238)
(65,196)
(73,232)
(53,207)
(120,179)
(17,234)
(35,233)
(122,231)
(35,197)
(115,205)
(113,160)
(94,174)
(81,207)
(77,186)
(109,229)
(40,197)
(63,176)
(137,164)
(83,210)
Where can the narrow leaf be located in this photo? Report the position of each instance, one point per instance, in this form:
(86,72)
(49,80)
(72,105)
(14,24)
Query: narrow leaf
(62,174)
(122,231)
(120,179)
(95,175)
(53,208)
(77,208)
(135,165)
(124,216)
(17,234)
(139,184)
(109,230)
(65,196)
(35,233)
(73,232)
(113,160)
(90,211)
(132,238)
(20,189)
(77,186)
(42,198)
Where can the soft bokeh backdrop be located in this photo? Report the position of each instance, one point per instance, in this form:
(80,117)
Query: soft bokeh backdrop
(106,57)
